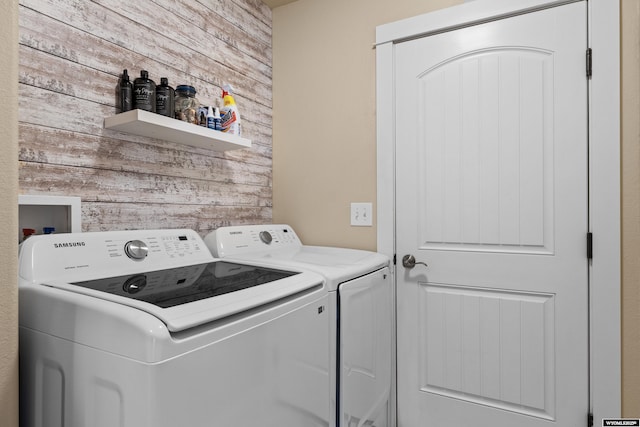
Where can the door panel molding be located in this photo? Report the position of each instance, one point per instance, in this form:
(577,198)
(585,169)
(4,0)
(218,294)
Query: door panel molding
(504,198)
(503,356)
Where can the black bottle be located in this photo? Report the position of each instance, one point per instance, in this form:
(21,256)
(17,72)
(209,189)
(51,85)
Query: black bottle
(125,93)
(144,93)
(165,98)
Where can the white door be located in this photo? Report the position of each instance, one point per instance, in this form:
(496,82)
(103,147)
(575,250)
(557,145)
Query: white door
(491,164)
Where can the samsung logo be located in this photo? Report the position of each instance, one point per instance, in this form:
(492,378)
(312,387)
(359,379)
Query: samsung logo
(68,244)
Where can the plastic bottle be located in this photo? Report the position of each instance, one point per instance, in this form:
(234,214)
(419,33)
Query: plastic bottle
(217,120)
(230,113)
(165,103)
(202,116)
(125,93)
(144,92)
(27,232)
(211,124)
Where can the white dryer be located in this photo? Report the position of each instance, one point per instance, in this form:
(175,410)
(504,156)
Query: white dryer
(147,329)
(360,313)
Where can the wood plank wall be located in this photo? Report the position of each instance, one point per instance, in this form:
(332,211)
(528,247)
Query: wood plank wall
(71,54)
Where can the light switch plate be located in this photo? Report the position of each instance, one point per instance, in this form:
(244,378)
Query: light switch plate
(362,214)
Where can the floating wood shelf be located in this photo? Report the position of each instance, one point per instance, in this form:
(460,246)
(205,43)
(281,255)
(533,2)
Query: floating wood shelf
(152,125)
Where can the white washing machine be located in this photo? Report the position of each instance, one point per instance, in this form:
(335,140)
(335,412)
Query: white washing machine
(360,313)
(147,329)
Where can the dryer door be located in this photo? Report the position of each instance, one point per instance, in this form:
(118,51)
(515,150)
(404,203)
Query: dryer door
(366,308)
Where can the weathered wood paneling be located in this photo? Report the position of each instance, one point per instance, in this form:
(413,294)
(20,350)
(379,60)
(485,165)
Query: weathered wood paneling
(71,54)
(128,216)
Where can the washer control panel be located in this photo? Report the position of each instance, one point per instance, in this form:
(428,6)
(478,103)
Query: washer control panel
(243,239)
(76,255)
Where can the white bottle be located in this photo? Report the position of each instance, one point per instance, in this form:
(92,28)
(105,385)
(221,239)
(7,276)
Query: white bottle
(211,124)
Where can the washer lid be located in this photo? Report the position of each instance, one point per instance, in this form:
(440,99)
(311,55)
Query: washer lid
(337,265)
(188,296)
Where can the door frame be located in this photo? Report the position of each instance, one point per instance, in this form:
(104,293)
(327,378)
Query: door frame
(604,165)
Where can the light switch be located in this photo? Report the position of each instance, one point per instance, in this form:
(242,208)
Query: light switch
(362,214)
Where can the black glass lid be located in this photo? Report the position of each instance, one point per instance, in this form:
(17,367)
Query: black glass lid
(176,286)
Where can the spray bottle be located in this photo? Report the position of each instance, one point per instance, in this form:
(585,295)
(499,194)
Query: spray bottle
(230,114)
(125,93)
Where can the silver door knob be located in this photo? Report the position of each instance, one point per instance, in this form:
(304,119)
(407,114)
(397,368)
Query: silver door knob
(409,261)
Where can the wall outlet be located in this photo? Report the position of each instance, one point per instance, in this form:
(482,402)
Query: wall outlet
(362,214)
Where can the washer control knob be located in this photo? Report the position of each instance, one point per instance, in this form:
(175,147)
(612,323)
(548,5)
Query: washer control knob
(136,249)
(266,237)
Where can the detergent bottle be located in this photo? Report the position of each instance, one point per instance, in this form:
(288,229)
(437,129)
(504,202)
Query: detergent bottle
(230,115)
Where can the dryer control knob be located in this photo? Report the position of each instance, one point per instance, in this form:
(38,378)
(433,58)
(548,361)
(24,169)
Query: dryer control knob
(266,237)
(136,249)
